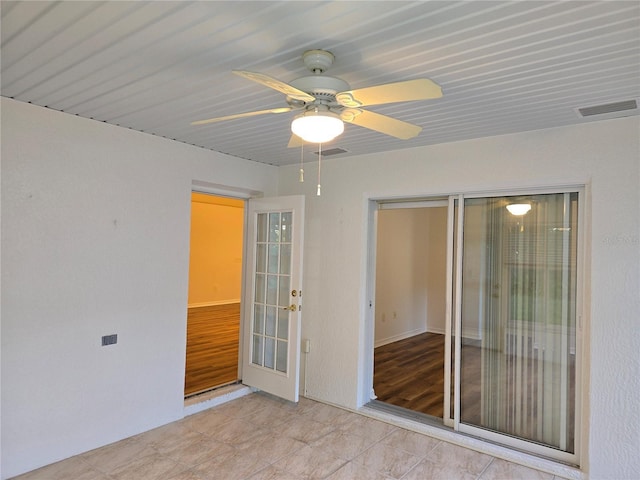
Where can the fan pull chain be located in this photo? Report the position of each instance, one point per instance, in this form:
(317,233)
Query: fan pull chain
(319,166)
(302,163)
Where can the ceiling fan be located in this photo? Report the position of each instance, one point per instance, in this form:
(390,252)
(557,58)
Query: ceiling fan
(325,102)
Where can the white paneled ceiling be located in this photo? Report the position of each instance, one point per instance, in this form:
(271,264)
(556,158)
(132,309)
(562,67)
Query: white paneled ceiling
(504,66)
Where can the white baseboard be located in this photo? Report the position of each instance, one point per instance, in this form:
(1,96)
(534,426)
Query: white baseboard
(211,304)
(468,333)
(401,336)
(471,333)
(439,331)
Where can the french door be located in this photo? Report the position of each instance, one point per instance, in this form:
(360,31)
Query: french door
(513,358)
(272,307)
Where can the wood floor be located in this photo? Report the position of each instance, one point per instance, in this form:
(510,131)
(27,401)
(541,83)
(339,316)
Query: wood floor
(410,374)
(212,347)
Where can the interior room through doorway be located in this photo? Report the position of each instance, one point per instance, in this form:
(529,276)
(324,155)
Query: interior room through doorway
(215,279)
(410,299)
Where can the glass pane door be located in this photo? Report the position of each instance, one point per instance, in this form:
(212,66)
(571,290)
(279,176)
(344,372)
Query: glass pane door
(271,323)
(518,325)
(270,335)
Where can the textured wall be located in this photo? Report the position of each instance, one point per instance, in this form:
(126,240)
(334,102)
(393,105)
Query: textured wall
(95,241)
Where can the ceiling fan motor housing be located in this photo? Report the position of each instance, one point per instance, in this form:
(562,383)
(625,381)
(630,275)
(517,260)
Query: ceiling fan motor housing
(322,87)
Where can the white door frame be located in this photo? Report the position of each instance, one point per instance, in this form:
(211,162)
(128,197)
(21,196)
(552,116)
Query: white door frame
(244,194)
(367,392)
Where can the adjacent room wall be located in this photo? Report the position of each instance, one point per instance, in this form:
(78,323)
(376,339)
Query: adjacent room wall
(436,256)
(410,273)
(95,241)
(215,254)
(401,275)
(603,155)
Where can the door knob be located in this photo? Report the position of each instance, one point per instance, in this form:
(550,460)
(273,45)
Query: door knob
(291,307)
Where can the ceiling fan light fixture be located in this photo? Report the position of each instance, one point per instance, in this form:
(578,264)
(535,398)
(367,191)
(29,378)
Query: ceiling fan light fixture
(317,126)
(518,209)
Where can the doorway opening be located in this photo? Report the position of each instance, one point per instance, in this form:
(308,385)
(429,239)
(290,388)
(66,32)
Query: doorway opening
(215,290)
(410,299)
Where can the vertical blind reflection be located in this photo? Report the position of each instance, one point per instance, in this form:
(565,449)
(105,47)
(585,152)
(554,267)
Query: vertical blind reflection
(518,318)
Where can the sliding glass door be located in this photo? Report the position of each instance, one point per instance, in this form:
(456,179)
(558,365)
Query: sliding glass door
(515,318)
(512,346)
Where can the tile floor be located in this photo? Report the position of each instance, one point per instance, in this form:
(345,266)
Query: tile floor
(259,437)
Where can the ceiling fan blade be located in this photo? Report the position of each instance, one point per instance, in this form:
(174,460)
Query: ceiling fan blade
(276,85)
(406,91)
(381,123)
(295,141)
(242,115)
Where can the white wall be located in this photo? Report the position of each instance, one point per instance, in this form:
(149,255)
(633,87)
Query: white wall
(410,273)
(401,275)
(436,255)
(95,241)
(604,155)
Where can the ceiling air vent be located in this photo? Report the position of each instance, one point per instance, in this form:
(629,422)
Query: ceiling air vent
(332,151)
(608,108)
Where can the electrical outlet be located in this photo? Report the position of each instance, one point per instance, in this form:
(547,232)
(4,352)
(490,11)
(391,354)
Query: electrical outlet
(109,339)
